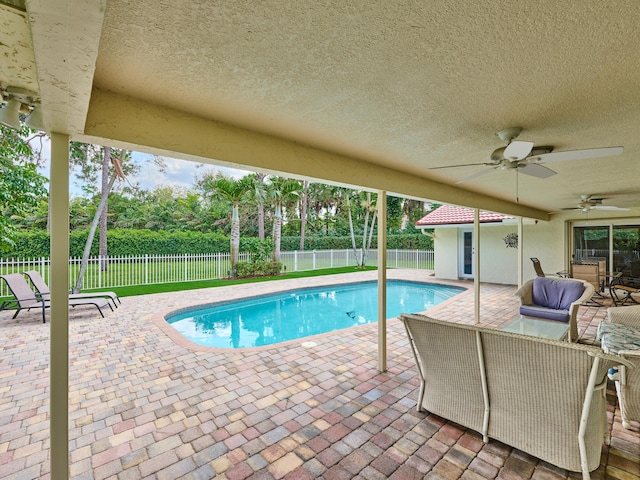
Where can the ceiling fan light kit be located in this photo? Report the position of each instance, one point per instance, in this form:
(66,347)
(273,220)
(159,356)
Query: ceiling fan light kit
(10,114)
(527,158)
(19,101)
(588,203)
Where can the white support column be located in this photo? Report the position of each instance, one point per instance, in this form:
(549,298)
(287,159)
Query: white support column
(382,281)
(520,253)
(476,263)
(59,312)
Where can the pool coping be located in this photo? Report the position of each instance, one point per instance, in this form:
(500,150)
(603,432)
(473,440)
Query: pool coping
(160,318)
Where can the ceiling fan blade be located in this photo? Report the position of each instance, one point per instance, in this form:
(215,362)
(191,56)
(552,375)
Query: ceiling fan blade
(476,175)
(535,170)
(579,154)
(608,207)
(517,150)
(460,165)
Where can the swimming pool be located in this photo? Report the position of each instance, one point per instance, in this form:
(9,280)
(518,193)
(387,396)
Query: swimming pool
(295,314)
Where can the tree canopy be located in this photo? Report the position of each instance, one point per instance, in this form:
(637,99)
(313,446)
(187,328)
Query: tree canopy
(22,188)
(262,203)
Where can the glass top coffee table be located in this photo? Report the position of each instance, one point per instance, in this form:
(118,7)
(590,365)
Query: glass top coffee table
(537,327)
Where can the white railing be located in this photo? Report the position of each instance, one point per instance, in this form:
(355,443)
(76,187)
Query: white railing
(151,269)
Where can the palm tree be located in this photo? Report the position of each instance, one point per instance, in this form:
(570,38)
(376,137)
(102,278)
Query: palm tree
(232,190)
(322,199)
(367,206)
(282,190)
(303,211)
(259,194)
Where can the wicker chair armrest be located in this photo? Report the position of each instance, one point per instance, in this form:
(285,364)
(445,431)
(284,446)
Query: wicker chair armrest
(629,316)
(525,293)
(616,358)
(630,353)
(589,290)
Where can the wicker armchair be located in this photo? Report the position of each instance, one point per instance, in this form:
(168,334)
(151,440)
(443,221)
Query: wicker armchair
(528,300)
(628,384)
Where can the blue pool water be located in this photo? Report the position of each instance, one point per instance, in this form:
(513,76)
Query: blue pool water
(294,314)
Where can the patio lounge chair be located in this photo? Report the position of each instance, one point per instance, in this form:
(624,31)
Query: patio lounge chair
(44,292)
(539,272)
(25,298)
(622,290)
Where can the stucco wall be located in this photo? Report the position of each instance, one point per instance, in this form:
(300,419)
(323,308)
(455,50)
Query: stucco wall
(549,243)
(499,264)
(445,247)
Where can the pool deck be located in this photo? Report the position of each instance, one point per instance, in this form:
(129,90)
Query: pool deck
(144,403)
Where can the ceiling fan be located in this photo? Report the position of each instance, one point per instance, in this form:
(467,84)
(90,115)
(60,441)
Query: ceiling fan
(588,202)
(525,157)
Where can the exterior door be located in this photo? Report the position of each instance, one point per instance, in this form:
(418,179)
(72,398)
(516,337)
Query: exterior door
(465,265)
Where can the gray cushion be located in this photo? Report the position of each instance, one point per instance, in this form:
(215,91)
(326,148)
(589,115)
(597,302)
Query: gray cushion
(555,293)
(545,312)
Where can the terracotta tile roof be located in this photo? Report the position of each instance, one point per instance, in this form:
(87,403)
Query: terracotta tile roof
(452,215)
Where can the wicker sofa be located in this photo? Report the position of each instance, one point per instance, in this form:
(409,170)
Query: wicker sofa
(544,397)
(628,383)
(555,299)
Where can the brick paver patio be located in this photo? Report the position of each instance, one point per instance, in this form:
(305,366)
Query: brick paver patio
(145,404)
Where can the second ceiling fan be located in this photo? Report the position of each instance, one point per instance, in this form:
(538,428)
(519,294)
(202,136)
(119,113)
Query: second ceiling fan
(589,202)
(525,157)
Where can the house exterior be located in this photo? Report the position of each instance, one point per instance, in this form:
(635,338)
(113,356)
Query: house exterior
(452,228)
(556,243)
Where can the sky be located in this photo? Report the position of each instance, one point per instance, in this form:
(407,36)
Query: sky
(177,173)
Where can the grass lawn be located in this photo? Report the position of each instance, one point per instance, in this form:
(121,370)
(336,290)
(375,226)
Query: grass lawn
(178,286)
(175,287)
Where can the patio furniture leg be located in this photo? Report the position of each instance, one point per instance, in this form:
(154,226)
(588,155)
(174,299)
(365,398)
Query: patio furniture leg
(607,433)
(418,365)
(591,387)
(98,307)
(485,389)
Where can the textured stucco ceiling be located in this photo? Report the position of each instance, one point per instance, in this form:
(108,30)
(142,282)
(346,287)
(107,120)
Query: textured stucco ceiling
(407,85)
(16,52)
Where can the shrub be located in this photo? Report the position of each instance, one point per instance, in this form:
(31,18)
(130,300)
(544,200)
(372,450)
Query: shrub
(260,250)
(244,269)
(258,269)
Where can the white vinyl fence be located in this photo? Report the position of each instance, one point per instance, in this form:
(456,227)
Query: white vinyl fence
(150,269)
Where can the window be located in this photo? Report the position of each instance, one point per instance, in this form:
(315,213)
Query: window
(625,249)
(595,243)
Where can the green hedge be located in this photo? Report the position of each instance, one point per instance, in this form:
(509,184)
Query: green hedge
(317,242)
(124,243)
(30,244)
